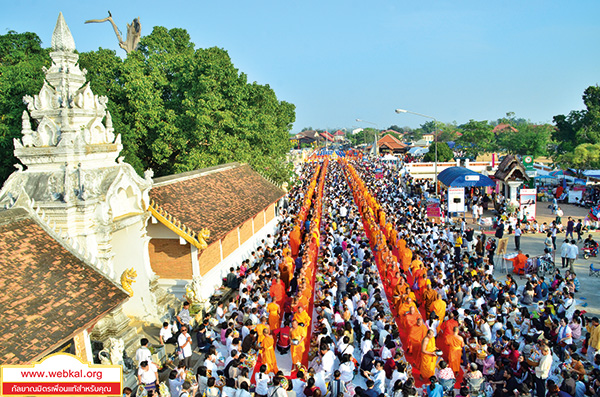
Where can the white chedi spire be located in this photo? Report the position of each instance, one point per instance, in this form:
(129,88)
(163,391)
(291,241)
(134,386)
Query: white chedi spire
(66,112)
(62,39)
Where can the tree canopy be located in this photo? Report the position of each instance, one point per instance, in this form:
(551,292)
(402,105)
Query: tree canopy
(444,153)
(178,108)
(578,134)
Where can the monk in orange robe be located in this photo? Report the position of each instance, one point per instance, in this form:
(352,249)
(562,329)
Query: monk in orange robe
(286,269)
(399,290)
(260,328)
(297,335)
(408,313)
(302,317)
(428,357)
(439,307)
(295,240)
(519,263)
(429,296)
(274,315)
(455,346)
(445,333)
(267,352)
(416,333)
(277,292)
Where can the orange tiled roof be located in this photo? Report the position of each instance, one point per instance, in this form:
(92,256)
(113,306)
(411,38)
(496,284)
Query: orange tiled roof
(391,142)
(219,198)
(48,293)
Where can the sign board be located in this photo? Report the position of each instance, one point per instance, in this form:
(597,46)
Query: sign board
(528,203)
(456,199)
(471,178)
(433,210)
(575,196)
(502,246)
(528,162)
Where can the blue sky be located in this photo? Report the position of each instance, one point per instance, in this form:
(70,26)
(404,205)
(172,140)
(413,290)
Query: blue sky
(342,60)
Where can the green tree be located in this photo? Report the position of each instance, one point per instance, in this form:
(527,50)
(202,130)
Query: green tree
(529,139)
(444,153)
(578,128)
(178,108)
(477,138)
(21,62)
(584,157)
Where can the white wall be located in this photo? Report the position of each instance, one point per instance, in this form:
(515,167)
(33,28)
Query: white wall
(213,279)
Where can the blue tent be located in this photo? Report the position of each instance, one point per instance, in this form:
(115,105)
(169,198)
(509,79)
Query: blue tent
(463,177)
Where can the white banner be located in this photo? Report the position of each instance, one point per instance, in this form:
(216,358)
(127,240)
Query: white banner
(456,199)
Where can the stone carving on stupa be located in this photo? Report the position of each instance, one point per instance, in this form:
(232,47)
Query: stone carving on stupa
(74,173)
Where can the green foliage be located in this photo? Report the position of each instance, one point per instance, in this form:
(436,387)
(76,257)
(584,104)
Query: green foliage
(178,108)
(477,138)
(21,62)
(444,153)
(578,134)
(584,157)
(366,136)
(529,139)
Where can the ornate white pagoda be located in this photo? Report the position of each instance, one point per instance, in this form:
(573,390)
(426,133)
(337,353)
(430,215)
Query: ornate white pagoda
(74,175)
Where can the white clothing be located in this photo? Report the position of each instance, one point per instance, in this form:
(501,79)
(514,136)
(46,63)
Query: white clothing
(262,383)
(543,369)
(143,354)
(149,376)
(187,349)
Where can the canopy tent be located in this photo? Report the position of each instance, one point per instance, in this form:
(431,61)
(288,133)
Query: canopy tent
(417,151)
(463,177)
(389,157)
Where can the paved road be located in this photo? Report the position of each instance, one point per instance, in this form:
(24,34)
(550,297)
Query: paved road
(588,297)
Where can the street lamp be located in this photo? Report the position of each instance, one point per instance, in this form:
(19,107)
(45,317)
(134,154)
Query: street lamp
(435,140)
(376,144)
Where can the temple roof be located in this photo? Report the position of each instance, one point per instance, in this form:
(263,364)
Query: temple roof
(49,294)
(218,198)
(391,142)
(511,168)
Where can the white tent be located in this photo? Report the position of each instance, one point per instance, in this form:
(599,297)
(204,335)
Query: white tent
(389,157)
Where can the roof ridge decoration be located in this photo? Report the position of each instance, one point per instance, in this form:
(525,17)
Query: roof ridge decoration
(196,238)
(72,245)
(66,113)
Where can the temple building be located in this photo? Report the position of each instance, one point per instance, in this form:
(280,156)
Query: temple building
(206,221)
(94,202)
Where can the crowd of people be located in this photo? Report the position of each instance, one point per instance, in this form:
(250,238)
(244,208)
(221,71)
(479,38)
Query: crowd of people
(402,306)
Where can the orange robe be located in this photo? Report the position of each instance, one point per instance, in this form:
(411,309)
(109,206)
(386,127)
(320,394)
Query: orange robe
(439,307)
(455,346)
(415,337)
(446,331)
(267,354)
(295,241)
(274,318)
(519,263)
(277,292)
(259,330)
(302,318)
(297,350)
(427,362)
(429,296)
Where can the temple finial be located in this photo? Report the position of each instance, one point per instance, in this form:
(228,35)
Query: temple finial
(62,40)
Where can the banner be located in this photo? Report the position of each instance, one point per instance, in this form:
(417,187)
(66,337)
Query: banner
(456,199)
(528,203)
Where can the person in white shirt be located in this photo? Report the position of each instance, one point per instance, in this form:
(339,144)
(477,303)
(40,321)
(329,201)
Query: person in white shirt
(542,371)
(564,337)
(327,362)
(262,382)
(143,353)
(298,384)
(277,390)
(148,375)
(572,255)
(185,343)
(165,335)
